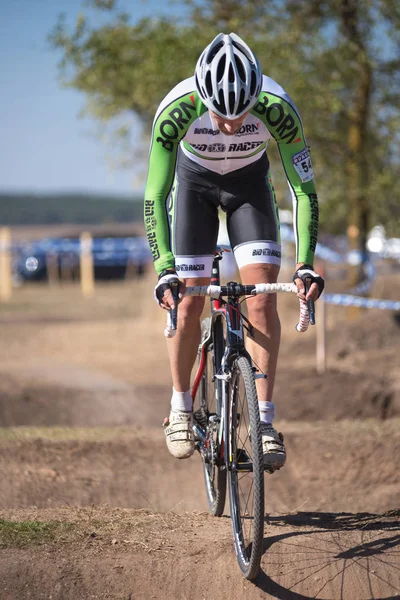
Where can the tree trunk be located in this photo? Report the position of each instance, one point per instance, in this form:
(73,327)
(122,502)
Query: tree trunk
(357,166)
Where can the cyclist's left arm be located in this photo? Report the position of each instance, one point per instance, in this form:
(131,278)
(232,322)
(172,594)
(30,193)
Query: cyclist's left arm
(296,161)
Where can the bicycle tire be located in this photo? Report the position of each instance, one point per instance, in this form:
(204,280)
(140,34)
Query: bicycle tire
(246,480)
(210,404)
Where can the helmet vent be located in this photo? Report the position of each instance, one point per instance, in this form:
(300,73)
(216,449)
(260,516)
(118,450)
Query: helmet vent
(242,104)
(231,102)
(243,50)
(199,88)
(208,84)
(221,104)
(253,83)
(214,52)
(240,68)
(221,68)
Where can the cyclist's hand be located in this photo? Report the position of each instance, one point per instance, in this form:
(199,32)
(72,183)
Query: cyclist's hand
(306,276)
(162,291)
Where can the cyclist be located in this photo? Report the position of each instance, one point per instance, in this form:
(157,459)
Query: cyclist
(208,150)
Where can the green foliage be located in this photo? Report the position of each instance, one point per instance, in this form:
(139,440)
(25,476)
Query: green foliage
(28,209)
(122,67)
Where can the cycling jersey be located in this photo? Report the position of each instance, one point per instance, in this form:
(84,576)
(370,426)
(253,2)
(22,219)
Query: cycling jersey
(183,120)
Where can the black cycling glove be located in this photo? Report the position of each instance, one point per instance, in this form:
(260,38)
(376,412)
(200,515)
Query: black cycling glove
(166,281)
(307,274)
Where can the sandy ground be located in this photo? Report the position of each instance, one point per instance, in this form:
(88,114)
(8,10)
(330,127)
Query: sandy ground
(84,387)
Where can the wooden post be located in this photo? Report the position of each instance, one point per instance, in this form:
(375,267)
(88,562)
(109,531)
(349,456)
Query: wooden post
(52,268)
(321,330)
(5,264)
(86,264)
(321,336)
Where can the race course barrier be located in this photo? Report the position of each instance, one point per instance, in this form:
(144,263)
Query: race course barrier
(350,300)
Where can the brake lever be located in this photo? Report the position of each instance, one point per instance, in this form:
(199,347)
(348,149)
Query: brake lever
(310,303)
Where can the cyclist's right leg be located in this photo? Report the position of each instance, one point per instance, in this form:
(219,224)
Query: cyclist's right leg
(193,218)
(182,350)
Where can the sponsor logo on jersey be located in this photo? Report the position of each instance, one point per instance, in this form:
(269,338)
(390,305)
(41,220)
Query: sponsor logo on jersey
(244,130)
(205,131)
(150,224)
(171,127)
(313,226)
(244,146)
(184,267)
(266,252)
(235,147)
(248,130)
(277,118)
(216,148)
(170,204)
(153,245)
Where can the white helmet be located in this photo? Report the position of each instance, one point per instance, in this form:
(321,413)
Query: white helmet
(228,76)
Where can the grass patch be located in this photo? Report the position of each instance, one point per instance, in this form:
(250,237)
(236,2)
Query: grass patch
(19,534)
(66,434)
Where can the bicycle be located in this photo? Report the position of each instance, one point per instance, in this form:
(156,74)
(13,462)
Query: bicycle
(226,421)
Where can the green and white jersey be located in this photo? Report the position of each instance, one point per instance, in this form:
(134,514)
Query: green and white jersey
(183,120)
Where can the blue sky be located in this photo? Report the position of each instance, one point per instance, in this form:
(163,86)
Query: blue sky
(44,145)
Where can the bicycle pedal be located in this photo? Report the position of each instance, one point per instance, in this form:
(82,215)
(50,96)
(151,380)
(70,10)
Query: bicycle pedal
(271,470)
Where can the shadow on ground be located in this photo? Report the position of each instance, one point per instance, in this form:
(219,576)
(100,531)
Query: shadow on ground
(325,555)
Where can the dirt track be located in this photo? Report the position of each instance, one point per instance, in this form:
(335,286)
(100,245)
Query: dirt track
(125,520)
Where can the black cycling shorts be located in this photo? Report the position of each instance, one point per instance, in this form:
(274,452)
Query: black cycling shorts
(248,199)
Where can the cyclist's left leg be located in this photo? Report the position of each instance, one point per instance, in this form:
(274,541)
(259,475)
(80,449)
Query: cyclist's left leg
(263,315)
(253,227)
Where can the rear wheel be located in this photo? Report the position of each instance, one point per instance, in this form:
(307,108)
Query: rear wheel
(246,473)
(209,415)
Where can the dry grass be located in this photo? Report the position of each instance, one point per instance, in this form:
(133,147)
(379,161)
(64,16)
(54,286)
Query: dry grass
(11,435)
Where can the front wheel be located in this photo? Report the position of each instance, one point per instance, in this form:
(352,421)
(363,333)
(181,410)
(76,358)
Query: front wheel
(246,470)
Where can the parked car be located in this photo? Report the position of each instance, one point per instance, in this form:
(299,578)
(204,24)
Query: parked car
(113,257)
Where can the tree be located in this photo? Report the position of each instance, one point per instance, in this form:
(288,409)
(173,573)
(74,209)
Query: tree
(361,56)
(328,54)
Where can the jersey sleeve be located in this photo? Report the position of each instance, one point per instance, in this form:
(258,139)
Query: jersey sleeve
(170,125)
(283,121)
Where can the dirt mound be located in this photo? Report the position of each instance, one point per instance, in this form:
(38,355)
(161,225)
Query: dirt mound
(71,396)
(55,394)
(126,554)
(335,395)
(349,466)
(82,379)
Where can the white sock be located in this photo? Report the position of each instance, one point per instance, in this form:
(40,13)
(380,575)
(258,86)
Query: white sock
(267,411)
(181,401)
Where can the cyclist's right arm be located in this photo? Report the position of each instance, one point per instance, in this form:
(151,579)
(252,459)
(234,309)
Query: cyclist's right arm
(173,118)
(159,182)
